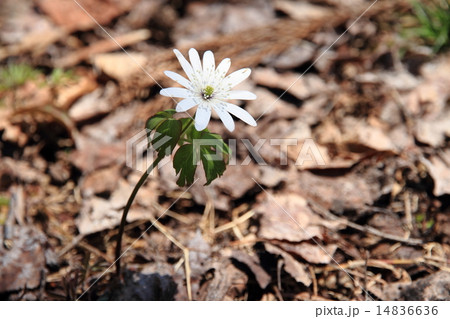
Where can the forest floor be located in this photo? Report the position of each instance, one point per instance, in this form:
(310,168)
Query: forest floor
(352,201)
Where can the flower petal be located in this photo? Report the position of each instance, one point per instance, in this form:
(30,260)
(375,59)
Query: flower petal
(221,71)
(237,95)
(234,79)
(186,104)
(208,61)
(240,113)
(209,66)
(179,79)
(176,92)
(187,68)
(202,117)
(225,117)
(196,63)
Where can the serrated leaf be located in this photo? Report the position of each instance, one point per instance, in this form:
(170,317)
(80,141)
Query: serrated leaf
(186,124)
(213,168)
(158,118)
(183,163)
(195,146)
(220,143)
(166,136)
(190,133)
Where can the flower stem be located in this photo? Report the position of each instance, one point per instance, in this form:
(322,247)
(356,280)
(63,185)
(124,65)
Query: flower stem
(127,208)
(191,121)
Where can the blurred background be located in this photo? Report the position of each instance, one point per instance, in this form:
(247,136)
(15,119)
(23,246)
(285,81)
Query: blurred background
(367,81)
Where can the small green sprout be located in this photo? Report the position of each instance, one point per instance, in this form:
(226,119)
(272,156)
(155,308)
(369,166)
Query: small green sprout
(432,25)
(15,75)
(59,76)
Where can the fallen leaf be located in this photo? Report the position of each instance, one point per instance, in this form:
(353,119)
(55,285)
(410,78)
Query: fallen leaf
(91,156)
(143,12)
(22,171)
(106,45)
(120,66)
(226,188)
(13,133)
(98,214)
(268,103)
(433,131)
(357,133)
(227,283)
(302,87)
(296,269)
(287,217)
(25,30)
(301,11)
(295,56)
(199,254)
(439,169)
(253,263)
(23,266)
(431,288)
(237,188)
(102,12)
(100,181)
(312,253)
(204,21)
(338,193)
(239,17)
(400,80)
(389,224)
(69,93)
(93,104)
(271,176)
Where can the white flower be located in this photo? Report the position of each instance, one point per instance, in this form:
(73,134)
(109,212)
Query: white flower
(208,87)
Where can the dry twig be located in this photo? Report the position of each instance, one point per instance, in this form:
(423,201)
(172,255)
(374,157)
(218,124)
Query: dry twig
(185,250)
(365,229)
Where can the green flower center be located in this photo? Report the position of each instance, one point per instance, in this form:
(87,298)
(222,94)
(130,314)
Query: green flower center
(208,92)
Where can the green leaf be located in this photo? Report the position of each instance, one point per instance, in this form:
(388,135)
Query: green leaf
(183,163)
(209,148)
(190,132)
(158,118)
(220,144)
(213,168)
(186,124)
(166,136)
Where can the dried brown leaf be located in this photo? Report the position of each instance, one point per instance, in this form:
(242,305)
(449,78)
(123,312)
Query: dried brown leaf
(287,217)
(302,87)
(338,193)
(253,263)
(23,266)
(439,169)
(312,253)
(119,65)
(434,287)
(296,269)
(102,11)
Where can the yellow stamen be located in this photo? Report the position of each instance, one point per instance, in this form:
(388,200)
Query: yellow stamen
(208,92)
